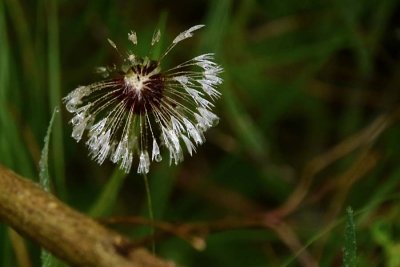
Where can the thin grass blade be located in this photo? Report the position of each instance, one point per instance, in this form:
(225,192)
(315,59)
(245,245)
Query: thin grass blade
(350,245)
(48,260)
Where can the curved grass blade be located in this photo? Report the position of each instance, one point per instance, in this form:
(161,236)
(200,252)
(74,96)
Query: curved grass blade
(350,245)
(48,260)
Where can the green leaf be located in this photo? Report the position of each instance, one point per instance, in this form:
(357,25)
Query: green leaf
(48,260)
(44,177)
(350,246)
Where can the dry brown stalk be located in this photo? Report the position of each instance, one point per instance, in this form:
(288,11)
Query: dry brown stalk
(68,234)
(365,138)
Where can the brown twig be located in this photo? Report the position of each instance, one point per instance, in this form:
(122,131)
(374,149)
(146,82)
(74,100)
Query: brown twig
(364,138)
(194,229)
(68,234)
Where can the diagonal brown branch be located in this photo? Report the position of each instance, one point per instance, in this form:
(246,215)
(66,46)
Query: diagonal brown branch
(365,138)
(68,234)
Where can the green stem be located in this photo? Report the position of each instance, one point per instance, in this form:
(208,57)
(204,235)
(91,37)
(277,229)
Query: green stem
(150,210)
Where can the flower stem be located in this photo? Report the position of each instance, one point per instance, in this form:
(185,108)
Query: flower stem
(150,211)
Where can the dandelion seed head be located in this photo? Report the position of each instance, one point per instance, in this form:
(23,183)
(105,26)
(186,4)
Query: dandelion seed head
(142,107)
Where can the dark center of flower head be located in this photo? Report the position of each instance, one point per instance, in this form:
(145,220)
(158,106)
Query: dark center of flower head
(142,87)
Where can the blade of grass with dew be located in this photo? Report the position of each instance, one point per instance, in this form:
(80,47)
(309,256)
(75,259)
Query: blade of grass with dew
(44,177)
(48,260)
(350,245)
(55,95)
(108,197)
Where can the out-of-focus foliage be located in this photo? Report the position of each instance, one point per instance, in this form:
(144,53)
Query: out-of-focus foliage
(309,125)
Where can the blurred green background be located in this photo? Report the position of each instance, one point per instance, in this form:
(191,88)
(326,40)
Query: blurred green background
(309,126)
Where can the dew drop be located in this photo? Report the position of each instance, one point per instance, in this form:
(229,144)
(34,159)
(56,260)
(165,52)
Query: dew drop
(70,107)
(77,119)
(157,158)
